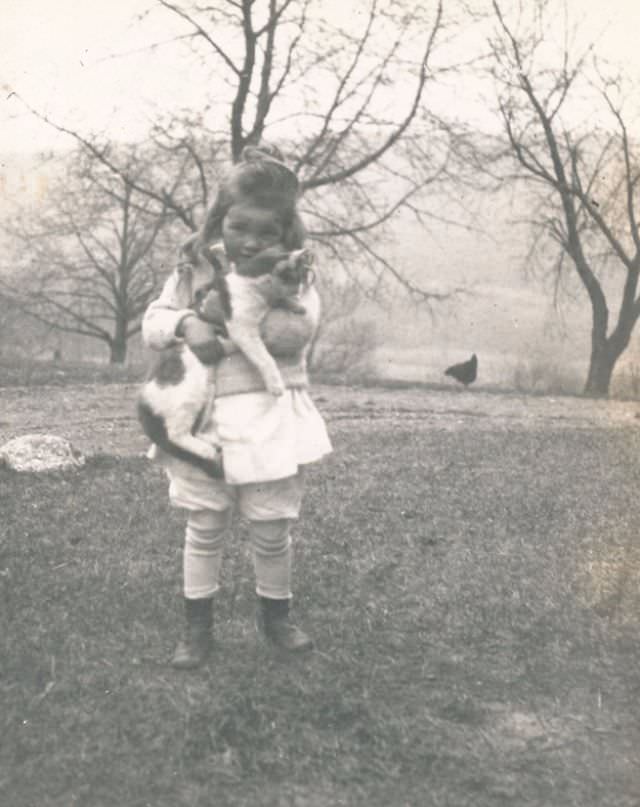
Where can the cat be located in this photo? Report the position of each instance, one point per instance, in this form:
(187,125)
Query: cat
(268,282)
(178,394)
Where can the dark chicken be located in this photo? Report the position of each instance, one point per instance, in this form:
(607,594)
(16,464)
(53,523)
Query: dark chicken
(465,372)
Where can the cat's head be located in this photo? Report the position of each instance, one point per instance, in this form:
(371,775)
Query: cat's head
(294,273)
(204,256)
(210,304)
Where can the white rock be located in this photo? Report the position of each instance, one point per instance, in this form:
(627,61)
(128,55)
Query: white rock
(40,452)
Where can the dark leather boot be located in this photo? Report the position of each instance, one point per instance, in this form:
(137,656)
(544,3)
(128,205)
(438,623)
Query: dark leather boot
(274,624)
(194,647)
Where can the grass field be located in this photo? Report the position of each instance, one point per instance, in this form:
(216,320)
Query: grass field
(472,584)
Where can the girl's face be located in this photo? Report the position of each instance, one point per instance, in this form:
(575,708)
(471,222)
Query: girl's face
(248,228)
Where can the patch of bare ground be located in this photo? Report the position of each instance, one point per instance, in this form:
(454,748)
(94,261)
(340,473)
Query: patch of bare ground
(101,419)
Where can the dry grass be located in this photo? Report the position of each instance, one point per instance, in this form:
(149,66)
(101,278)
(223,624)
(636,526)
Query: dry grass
(474,598)
(34,373)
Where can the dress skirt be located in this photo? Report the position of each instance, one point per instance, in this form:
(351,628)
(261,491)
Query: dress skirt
(264,437)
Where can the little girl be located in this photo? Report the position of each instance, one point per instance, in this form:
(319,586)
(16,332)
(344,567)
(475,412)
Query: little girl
(266,440)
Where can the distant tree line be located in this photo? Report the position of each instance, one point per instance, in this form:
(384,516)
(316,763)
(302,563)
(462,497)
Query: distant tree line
(351,101)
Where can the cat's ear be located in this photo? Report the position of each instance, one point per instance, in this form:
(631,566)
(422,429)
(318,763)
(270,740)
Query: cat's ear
(190,248)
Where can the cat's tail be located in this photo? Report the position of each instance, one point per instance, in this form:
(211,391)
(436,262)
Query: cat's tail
(155,429)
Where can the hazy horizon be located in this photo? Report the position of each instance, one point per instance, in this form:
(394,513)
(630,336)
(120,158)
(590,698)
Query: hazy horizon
(78,68)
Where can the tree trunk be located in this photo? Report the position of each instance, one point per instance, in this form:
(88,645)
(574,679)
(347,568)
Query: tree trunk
(118,342)
(118,350)
(601,368)
(605,352)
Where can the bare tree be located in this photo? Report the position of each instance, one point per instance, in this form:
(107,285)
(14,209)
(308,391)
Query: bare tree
(569,140)
(89,257)
(346,97)
(347,337)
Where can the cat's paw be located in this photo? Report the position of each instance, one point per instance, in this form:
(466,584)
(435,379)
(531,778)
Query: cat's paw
(275,387)
(295,307)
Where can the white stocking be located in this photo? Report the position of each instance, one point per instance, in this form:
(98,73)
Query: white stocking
(272,558)
(205,536)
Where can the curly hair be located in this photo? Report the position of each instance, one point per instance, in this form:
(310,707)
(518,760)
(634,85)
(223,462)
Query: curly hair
(262,178)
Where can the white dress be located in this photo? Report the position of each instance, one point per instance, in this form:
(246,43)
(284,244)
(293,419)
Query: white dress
(264,437)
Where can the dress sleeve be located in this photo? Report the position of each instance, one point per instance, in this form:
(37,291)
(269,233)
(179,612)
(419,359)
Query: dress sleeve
(164,314)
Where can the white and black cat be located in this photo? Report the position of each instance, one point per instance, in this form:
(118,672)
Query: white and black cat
(178,394)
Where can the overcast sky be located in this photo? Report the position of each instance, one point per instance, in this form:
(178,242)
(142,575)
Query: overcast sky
(58,55)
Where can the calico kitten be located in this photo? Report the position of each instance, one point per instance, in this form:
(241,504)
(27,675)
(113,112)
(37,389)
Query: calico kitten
(178,394)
